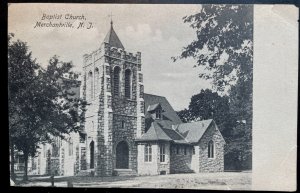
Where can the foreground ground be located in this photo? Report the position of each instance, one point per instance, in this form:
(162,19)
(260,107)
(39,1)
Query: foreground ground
(217,181)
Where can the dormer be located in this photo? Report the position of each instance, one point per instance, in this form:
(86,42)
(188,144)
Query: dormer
(156,111)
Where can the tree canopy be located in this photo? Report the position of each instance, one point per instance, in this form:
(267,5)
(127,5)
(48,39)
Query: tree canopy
(224,48)
(41,101)
(224,44)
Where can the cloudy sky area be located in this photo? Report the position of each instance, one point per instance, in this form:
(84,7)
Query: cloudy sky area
(157,31)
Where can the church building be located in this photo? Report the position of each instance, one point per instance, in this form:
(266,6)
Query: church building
(129,132)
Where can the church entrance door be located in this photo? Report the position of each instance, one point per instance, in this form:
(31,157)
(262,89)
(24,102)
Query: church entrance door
(122,155)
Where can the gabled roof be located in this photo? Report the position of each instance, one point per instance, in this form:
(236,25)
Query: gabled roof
(159,131)
(153,107)
(168,111)
(193,131)
(112,39)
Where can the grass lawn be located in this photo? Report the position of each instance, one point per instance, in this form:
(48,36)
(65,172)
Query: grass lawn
(217,181)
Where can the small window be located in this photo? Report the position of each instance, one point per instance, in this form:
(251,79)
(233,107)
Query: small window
(177,149)
(211,149)
(158,114)
(123,124)
(162,151)
(185,151)
(97,89)
(148,153)
(194,151)
(91,85)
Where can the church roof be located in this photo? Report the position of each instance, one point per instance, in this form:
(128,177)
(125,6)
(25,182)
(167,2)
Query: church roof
(168,111)
(112,39)
(153,107)
(159,131)
(193,131)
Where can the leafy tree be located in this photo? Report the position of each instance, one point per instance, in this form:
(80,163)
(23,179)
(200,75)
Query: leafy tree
(224,48)
(41,101)
(224,44)
(210,105)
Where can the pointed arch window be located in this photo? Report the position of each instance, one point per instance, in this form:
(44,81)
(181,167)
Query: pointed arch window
(211,149)
(91,84)
(127,83)
(97,81)
(117,81)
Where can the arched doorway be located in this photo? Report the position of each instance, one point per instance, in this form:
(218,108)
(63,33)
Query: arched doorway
(122,155)
(92,154)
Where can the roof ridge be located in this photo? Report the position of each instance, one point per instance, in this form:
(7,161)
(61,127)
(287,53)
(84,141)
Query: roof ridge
(180,135)
(154,129)
(195,121)
(155,95)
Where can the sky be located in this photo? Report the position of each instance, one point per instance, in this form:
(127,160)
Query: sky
(157,31)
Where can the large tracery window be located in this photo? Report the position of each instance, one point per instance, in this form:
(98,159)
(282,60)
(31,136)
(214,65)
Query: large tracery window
(127,83)
(117,81)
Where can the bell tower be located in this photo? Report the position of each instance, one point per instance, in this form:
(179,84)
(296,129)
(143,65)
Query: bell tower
(113,87)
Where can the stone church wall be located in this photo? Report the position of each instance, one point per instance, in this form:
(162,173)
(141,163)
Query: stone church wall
(181,163)
(215,164)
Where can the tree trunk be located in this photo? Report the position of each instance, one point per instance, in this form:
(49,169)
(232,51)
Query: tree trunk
(12,162)
(25,177)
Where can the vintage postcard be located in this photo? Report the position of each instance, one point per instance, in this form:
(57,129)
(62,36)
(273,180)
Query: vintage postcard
(176,96)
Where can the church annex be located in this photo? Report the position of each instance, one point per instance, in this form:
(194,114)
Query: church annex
(128,132)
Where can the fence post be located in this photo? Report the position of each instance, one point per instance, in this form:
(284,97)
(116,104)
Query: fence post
(70,184)
(52,180)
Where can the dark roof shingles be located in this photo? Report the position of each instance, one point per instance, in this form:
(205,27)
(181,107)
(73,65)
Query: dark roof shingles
(168,111)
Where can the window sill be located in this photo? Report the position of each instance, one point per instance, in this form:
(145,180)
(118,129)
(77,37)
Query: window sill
(164,163)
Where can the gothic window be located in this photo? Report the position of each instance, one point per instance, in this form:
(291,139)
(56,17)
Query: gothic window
(148,153)
(117,81)
(123,124)
(97,80)
(158,114)
(162,153)
(127,83)
(91,84)
(210,149)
